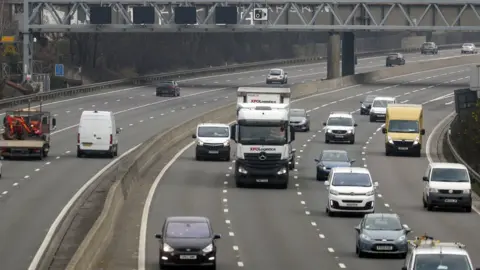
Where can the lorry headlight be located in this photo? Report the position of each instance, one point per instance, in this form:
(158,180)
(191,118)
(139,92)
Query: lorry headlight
(167,248)
(333,192)
(200,143)
(242,170)
(417,140)
(226,143)
(329,131)
(466,191)
(370,193)
(349,131)
(432,190)
(390,140)
(282,171)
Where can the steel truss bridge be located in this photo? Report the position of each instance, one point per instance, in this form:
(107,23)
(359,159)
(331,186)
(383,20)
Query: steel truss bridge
(290,15)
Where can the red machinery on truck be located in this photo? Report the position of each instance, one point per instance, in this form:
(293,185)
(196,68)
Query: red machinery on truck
(27,133)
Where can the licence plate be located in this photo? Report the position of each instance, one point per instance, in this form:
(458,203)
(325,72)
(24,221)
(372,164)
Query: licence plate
(402,148)
(213,152)
(188,257)
(380,115)
(262,180)
(384,247)
(450,200)
(86,144)
(351,204)
(338,136)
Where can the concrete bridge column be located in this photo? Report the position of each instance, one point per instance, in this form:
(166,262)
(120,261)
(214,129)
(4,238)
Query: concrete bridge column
(348,54)
(333,56)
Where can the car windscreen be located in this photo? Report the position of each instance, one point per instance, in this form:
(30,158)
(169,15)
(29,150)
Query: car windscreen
(393,56)
(403,126)
(383,223)
(217,132)
(275,72)
(449,175)
(187,230)
(351,180)
(468,45)
(334,156)
(297,113)
(339,121)
(381,103)
(442,262)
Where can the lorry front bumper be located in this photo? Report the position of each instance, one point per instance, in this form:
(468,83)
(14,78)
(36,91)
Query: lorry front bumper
(449,200)
(403,149)
(212,152)
(265,173)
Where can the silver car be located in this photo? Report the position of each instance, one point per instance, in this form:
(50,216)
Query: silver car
(469,48)
(381,233)
(300,120)
(277,75)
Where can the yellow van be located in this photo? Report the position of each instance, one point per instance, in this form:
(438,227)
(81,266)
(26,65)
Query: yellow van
(403,129)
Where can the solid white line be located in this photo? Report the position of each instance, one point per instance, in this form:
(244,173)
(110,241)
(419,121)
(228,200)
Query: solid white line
(66,208)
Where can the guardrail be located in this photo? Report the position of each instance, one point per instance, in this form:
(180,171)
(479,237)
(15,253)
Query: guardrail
(135,164)
(473,174)
(73,91)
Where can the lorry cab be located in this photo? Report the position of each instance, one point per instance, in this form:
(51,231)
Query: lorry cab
(97,134)
(404,129)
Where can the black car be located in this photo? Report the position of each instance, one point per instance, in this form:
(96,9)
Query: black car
(429,47)
(366,104)
(187,241)
(299,119)
(167,88)
(330,159)
(395,59)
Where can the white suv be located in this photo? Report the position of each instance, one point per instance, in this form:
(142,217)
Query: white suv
(340,127)
(447,185)
(379,108)
(350,190)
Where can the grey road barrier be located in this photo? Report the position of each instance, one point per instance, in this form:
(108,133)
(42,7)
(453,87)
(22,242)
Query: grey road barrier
(129,169)
(77,90)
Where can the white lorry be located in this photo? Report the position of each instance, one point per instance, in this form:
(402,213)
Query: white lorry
(263,137)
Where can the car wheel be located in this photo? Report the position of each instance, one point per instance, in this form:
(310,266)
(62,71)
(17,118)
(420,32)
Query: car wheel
(429,207)
(424,202)
(197,157)
(352,141)
(329,213)
(387,153)
(372,119)
(327,141)
(468,209)
(403,255)
(318,177)
(359,253)
(308,129)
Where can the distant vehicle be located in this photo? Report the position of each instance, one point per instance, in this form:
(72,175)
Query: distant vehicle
(277,75)
(97,134)
(469,48)
(350,190)
(167,88)
(331,159)
(340,127)
(187,241)
(299,119)
(447,185)
(366,104)
(378,110)
(395,59)
(429,47)
(381,233)
(213,140)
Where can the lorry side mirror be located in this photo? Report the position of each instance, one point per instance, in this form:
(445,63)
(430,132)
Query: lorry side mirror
(292,133)
(233,129)
(54,122)
(384,130)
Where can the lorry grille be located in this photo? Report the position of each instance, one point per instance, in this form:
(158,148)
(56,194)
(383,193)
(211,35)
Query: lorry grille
(269,157)
(403,143)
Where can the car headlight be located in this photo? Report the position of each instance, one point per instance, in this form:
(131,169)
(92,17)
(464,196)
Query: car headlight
(333,192)
(401,238)
(324,168)
(417,140)
(370,193)
(390,139)
(167,248)
(349,131)
(329,131)
(433,190)
(200,143)
(467,191)
(226,143)
(303,121)
(365,237)
(208,248)
(363,106)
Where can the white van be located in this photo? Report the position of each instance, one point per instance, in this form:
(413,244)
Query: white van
(97,134)
(378,110)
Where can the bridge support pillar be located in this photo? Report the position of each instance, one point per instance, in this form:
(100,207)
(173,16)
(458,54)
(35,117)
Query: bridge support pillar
(333,56)
(348,54)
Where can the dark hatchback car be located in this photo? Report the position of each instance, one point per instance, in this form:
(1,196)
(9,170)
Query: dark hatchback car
(395,59)
(330,159)
(381,233)
(366,105)
(429,47)
(300,120)
(187,242)
(167,88)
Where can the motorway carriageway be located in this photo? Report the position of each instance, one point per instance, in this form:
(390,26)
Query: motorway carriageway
(33,193)
(274,229)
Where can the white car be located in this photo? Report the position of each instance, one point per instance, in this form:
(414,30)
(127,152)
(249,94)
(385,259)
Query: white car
(340,127)
(350,190)
(469,48)
(277,75)
(379,108)
(213,141)
(447,185)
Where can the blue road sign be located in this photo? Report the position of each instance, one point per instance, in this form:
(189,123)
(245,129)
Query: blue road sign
(59,70)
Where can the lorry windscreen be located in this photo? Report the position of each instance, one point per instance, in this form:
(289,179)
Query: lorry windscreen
(403,126)
(271,135)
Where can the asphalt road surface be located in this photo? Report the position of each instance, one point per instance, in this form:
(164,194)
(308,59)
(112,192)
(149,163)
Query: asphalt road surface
(32,193)
(288,229)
